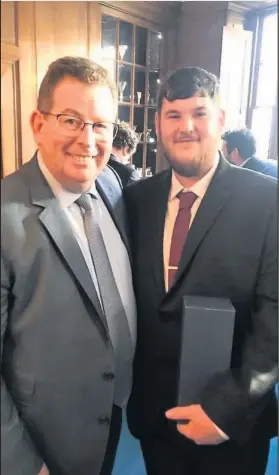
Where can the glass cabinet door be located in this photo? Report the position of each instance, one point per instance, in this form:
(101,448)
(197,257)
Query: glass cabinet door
(132,55)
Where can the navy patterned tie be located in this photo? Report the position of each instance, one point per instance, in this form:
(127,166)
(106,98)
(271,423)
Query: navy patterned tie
(114,311)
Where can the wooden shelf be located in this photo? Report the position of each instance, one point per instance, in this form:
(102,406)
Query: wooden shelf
(138,77)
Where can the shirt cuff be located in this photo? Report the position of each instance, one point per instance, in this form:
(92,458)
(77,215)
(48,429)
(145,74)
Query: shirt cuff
(222,434)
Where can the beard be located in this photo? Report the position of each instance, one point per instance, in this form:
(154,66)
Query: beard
(187,165)
(194,167)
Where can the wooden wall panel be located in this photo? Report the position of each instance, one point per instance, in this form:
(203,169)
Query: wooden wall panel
(61,30)
(94,30)
(200,34)
(10,146)
(27,76)
(8,32)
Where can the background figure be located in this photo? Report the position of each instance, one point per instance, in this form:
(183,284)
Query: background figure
(239,148)
(124,146)
(180,222)
(67,303)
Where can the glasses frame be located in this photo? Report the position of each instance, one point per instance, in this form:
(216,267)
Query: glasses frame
(116,126)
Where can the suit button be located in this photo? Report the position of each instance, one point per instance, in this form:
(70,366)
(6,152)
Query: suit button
(108,376)
(104,420)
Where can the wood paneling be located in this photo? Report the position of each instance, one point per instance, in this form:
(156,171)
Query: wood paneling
(8,23)
(27,75)
(200,34)
(61,30)
(94,30)
(10,153)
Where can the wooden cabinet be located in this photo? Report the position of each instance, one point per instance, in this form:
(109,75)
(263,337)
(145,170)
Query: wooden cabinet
(131,52)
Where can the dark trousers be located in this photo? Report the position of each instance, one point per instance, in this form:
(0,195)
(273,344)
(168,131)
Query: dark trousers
(114,436)
(174,454)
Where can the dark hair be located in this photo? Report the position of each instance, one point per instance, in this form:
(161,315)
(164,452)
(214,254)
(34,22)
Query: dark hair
(125,137)
(241,139)
(82,69)
(188,82)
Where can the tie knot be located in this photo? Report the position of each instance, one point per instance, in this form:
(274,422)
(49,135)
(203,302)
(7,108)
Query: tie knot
(85,201)
(186,200)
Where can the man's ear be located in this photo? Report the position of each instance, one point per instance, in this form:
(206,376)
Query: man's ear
(235,157)
(157,124)
(222,119)
(36,123)
(126,151)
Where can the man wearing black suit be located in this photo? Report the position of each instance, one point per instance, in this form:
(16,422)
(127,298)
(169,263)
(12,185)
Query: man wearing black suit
(123,147)
(239,148)
(230,252)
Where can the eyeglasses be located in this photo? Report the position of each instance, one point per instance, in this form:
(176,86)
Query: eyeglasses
(72,126)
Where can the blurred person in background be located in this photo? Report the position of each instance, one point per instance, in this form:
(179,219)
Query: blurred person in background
(239,148)
(124,146)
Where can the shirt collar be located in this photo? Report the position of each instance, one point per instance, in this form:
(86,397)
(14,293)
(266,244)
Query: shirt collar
(65,197)
(198,188)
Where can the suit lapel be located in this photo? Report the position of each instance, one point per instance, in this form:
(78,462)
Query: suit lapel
(210,208)
(157,208)
(112,197)
(54,220)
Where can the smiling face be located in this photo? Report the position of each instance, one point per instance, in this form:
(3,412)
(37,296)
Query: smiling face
(75,161)
(190,132)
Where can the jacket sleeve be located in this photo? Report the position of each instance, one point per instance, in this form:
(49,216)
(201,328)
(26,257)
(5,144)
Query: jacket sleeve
(234,400)
(18,454)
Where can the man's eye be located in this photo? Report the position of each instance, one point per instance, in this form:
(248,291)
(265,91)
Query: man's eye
(200,114)
(101,125)
(71,121)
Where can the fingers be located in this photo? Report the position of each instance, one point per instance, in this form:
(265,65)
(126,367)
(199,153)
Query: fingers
(179,413)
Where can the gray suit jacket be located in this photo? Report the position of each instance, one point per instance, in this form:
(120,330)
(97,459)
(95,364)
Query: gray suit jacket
(56,399)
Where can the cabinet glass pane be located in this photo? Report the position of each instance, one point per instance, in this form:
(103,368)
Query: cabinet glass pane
(139,86)
(137,158)
(124,82)
(125,41)
(154,50)
(139,120)
(153,88)
(108,37)
(124,113)
(151,159)
(151,134)
(141,43)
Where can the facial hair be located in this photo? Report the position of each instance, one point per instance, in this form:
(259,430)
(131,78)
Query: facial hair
(194,167)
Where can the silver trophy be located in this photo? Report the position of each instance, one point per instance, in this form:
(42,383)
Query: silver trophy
(122,86)
(139,94)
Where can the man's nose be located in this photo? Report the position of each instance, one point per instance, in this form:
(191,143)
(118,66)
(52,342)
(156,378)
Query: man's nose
(187,124)
(87,136)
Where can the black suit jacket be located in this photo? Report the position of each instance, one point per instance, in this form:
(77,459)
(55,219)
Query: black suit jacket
(265,167)
(231,252)
(126,173)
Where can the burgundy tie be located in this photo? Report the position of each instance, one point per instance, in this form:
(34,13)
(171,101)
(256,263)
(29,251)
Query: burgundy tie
(180,232)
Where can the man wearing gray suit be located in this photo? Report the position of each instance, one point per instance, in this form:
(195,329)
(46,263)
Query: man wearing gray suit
(67,303)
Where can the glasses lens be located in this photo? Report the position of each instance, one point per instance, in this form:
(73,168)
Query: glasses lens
(69,123)
(105,130)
